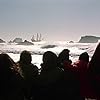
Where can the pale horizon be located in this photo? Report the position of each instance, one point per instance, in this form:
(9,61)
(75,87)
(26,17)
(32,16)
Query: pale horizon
(27,36)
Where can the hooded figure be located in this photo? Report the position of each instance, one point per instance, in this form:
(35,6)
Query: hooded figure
(29,72)
(51,78)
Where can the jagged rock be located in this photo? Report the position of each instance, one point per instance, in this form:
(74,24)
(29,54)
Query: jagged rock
(2,41)
(17,40)
(89,39)
(10,41)
(71,41)
(25,43)
(48,46)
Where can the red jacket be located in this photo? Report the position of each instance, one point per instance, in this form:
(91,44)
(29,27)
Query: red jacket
(86,89)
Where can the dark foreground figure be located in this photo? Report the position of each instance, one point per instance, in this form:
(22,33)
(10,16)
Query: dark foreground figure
(11,87)
(94,72)
(50,81)
(29,72)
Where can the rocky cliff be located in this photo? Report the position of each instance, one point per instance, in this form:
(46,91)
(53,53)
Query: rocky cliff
(25,43)
(17,40)
(89,39)
(2,41)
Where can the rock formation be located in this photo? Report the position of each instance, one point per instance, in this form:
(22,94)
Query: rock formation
(89,39)
(25,43)
(17,40)
(2,41)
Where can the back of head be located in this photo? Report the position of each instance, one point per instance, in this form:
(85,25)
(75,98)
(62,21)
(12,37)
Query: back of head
(25,57)
(6,63)
(84,56)
(49,59)
(64,55)
(94,65)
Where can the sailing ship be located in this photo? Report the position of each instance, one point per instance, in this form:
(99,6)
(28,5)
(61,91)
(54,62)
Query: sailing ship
(38,38)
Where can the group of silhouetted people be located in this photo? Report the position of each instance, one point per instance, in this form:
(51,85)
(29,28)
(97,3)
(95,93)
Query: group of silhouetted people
(58,78)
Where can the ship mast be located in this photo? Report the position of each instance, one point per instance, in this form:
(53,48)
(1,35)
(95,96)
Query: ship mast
(37,38)
(33,39)
(40,37)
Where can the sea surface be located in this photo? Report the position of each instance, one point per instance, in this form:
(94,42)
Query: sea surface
(37,50)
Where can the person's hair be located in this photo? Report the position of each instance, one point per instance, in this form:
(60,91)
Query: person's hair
(25,57)
(49,59)
(63,55)
(84,56)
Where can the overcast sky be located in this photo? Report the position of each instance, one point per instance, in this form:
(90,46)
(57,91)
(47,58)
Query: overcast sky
(54,19)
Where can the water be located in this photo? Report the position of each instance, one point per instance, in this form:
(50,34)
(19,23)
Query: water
(37,50)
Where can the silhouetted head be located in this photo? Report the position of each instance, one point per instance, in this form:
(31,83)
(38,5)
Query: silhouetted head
(84,56)
(25,57)
(94,65)
(63,56)
(49,60)
(6,63)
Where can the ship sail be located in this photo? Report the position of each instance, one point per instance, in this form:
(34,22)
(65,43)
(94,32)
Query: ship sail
(33,39)
(37,38)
